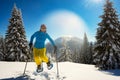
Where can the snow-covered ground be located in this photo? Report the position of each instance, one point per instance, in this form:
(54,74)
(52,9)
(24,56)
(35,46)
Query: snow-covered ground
(68,71)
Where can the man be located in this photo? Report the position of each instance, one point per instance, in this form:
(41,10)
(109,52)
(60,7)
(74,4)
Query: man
(39,49)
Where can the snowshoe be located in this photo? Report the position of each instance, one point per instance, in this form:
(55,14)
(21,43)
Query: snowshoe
(39,69)
(49,65)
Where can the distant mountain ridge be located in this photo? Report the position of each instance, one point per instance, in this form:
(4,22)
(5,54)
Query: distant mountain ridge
(72,43)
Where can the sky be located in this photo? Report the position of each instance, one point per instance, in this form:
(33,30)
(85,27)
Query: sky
(62,17)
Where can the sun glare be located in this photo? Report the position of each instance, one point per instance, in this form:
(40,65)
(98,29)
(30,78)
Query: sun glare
(66,23)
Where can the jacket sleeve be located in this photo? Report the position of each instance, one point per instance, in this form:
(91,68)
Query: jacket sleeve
(51,40)
(32,37)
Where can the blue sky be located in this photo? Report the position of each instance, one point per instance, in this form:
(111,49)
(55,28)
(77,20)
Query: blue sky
(62,17)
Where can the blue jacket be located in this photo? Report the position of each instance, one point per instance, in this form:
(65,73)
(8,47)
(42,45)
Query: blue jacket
(40,39)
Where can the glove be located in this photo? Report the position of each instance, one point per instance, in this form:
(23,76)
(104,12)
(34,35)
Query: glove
(30,45)
(55,49)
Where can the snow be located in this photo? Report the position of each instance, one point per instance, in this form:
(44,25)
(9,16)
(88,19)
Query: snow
(108,21)
(105,33)
(68,70)
(111,26)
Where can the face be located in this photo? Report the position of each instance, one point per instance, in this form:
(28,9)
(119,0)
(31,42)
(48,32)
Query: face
(43,28)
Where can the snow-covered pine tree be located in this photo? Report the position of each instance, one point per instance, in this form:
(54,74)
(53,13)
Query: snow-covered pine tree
(66,53)
(84,54)
(15,39)
(2,48)
(90,58)
(107,48)
(76,56)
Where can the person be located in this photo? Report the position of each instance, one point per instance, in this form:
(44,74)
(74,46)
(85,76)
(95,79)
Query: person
(39,50)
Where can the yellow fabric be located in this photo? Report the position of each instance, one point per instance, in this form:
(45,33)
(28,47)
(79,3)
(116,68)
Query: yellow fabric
(40,55)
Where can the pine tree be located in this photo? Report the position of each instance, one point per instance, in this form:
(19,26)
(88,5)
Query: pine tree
(2,48)
(76,56)
(66,53)
(107,48)
(15,39)
(84,54)
(90,58)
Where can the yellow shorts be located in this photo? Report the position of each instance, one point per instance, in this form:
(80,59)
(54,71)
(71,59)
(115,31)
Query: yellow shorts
(40,56)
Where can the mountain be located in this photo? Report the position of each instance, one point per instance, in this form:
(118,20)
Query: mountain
(66,42)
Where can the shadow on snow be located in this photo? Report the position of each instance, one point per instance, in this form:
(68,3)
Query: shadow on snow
(19,78)
(115,72)
(27,77)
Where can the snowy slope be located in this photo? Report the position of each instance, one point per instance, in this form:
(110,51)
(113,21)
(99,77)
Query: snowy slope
(68,71)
